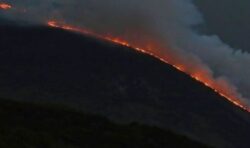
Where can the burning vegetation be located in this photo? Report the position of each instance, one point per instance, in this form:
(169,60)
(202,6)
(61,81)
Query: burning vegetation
(5,6)
(220,87)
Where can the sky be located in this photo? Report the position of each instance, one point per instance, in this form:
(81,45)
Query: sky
(229,19)
(210,38)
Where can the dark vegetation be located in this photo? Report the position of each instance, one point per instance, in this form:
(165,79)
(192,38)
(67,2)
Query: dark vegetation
(25,125)
(45,65)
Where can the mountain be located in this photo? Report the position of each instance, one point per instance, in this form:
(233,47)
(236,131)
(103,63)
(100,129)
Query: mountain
(45,65)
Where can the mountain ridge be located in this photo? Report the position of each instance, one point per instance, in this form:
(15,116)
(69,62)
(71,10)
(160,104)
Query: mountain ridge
(52,65)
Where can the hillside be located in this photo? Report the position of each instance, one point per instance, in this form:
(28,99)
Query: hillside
(25,125)
(45,65)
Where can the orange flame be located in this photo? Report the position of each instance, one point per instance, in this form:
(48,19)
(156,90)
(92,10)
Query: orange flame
(223,91)
(5,6)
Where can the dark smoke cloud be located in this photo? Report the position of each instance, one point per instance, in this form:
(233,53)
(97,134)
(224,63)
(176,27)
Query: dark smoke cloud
(166,23)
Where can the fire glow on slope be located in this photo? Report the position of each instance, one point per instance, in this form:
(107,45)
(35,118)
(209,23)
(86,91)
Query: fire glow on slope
(5,6)
(223,91)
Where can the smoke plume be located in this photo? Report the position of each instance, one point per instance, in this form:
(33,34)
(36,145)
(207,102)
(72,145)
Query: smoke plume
(164,26)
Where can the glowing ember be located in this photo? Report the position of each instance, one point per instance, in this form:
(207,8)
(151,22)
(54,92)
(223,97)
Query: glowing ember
(67,27)
(209,82)
(5,6)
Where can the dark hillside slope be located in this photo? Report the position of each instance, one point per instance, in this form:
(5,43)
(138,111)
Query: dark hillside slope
(49,65)
(25,125)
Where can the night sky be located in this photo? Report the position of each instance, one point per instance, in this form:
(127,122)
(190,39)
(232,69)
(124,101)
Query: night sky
(229,19)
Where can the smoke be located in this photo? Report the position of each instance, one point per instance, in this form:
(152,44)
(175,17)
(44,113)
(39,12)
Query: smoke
(164,26)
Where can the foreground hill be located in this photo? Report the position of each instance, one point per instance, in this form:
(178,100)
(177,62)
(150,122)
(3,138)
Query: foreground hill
(41,64)
(25,125)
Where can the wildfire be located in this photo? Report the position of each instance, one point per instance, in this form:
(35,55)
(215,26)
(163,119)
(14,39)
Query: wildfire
(198,77)
(70,28)
(5,6)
